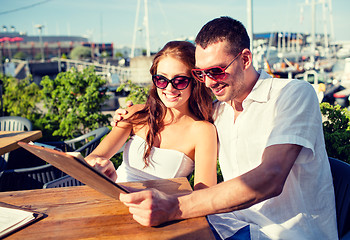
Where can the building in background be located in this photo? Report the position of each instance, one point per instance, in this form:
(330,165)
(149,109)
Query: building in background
(12,42)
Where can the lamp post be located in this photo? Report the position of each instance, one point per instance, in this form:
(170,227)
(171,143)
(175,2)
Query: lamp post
(40,27)
(1,101)
(1,66)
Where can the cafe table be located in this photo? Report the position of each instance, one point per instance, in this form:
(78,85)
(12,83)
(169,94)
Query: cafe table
(83,213)
(9,139)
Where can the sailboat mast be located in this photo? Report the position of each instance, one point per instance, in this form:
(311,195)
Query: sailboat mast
(146,25)
(313,30)
(250,22)
(148,48)
(135,29)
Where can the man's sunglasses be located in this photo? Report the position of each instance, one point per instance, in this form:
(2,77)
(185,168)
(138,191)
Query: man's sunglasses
(215,73)
(179,82)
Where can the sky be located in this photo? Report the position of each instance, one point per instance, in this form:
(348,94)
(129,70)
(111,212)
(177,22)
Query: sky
(112,21)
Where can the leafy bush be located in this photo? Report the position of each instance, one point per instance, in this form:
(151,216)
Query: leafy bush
(336,128)
(119,54)
(37,56)
(138,94)
(20,98)
(73,101)
(20,55)
(117,159)
(104,54)
(80,52)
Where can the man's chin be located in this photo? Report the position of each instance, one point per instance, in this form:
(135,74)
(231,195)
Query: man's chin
(222,98)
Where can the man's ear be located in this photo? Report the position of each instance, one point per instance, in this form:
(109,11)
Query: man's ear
(247,58)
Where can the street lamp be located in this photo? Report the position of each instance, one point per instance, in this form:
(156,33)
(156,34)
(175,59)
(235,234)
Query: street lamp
(40,27)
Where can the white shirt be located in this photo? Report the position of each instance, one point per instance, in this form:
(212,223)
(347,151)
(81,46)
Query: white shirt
(278,111)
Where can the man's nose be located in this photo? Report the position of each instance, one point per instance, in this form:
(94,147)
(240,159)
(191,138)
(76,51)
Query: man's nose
(209,82)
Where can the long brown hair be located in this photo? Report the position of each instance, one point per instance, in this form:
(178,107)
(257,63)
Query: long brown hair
(154,111)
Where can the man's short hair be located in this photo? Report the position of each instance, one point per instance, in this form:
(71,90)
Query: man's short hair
(224,29)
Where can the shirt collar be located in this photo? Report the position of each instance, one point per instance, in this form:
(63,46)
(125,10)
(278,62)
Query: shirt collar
(261,89)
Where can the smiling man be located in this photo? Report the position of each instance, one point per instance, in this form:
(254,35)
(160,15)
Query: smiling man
(278,183)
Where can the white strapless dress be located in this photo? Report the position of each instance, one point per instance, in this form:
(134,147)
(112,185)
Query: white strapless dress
(165,163)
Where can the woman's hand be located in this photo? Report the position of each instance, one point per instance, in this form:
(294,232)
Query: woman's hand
(103,165)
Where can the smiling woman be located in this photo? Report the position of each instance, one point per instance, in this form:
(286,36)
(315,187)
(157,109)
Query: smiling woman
(172,133)
(176,94)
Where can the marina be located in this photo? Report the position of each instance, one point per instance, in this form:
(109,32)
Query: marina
(309,56)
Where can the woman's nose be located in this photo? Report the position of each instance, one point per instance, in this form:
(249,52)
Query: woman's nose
(170,87)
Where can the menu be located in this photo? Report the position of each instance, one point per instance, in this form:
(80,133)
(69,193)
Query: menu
(78,168)
(13,218)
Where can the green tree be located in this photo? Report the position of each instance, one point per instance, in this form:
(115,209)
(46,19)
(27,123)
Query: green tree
(138,94)
(20,55)
(37,56)
(80,52)
(119,55)
(104,54)
(21,97)
(336,129)
(73,101)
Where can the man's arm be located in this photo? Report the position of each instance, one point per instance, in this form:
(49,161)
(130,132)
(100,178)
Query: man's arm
(151,207)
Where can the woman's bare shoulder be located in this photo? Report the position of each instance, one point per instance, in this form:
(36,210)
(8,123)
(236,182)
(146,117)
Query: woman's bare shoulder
(203,127)
(204,135)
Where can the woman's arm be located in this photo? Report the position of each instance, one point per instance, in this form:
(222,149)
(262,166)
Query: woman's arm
(110,145)
(99,157)
(205,155)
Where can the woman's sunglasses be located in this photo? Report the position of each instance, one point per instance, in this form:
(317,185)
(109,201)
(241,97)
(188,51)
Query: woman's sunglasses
(179,82)
(215,73)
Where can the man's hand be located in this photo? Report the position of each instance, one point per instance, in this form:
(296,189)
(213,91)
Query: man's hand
(119,113)
(104,166)
(151,207)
